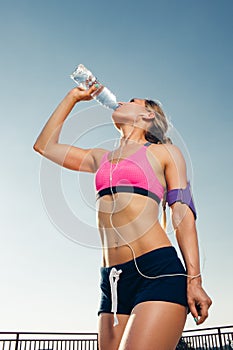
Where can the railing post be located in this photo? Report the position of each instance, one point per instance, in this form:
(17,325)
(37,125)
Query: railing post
(220,338)
(17,341)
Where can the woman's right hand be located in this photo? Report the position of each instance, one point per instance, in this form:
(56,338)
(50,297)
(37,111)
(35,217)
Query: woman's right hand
(80,94)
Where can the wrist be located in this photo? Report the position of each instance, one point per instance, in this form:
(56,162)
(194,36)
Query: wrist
(194,279)
(72,94)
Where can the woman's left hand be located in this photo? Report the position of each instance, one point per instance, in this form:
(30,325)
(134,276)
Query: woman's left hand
(198,300)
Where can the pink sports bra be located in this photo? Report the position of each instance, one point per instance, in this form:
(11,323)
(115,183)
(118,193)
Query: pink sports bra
(133,174)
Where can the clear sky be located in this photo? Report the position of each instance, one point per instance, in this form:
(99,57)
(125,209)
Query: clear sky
(177,51)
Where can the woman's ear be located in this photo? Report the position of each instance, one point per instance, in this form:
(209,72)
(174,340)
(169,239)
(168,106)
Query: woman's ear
(149,116)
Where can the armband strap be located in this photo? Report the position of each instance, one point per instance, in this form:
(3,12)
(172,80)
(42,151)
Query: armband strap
(182,195)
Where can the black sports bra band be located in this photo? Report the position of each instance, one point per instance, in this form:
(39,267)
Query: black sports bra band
(128,189)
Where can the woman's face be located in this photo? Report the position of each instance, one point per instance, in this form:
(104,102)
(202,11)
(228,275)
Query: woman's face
(129,111)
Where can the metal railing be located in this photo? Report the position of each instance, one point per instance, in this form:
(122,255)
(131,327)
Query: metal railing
(218,338)
(48,341)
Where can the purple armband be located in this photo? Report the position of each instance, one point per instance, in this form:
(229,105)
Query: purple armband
(182,195)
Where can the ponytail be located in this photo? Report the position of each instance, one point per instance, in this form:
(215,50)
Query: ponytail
(164,216)
(157,134)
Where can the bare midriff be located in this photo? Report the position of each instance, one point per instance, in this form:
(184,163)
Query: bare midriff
(134,222)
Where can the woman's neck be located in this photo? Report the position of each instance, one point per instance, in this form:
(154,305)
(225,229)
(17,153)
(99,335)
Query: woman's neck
(132,136)
(132,141)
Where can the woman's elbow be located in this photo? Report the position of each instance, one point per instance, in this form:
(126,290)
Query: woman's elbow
(37,147)
(182,216)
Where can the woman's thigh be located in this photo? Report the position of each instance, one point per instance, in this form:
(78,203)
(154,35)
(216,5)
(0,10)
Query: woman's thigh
(109,336)
(154,325)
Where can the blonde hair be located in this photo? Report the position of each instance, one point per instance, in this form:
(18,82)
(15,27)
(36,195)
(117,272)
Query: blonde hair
(157,134)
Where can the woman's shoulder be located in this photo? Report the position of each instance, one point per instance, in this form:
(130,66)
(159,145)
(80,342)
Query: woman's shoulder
(165,147)
(167,152)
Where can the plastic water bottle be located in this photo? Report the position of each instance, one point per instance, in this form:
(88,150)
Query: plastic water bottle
(84,78)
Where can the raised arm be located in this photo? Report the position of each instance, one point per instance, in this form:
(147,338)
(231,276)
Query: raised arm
(47,143)
(186,234)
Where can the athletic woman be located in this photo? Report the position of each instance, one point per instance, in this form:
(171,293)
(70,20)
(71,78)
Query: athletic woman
(146,290)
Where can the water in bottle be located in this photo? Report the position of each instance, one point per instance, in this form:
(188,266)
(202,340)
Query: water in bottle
(84,78)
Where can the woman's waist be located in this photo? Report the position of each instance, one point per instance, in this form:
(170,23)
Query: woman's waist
(124,230)
(117,250)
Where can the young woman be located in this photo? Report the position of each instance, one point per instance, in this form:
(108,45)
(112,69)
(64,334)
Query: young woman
(146,291)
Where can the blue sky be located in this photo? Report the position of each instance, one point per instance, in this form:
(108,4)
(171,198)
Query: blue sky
(179,52)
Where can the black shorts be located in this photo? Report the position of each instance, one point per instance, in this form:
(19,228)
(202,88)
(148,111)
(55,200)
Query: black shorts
(132,288)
